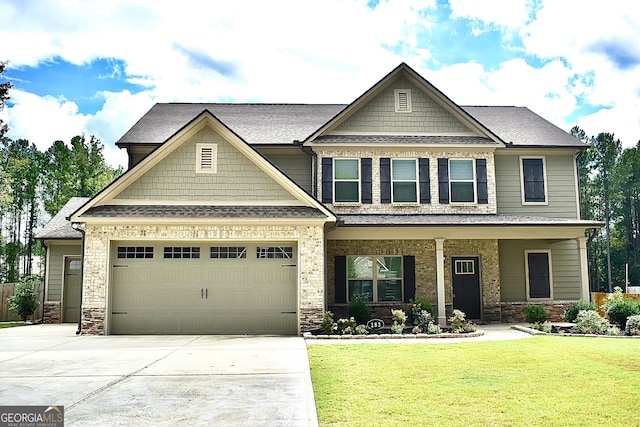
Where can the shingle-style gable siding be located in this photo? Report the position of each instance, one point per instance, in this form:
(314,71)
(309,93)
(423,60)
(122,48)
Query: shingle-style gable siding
(379,115)
(295,166)
(175,178)
(561,187)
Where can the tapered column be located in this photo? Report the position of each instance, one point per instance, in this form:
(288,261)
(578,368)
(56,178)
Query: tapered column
(585,293)
(442,315)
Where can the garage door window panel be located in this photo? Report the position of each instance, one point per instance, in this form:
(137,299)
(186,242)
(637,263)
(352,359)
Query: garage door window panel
(135,252)
(228,252)
(274,252)
(181,252)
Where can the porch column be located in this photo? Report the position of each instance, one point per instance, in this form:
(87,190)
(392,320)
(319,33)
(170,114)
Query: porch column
(442,316)
(585,293)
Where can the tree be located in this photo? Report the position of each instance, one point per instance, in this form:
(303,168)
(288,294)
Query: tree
(4,97)
(25,299)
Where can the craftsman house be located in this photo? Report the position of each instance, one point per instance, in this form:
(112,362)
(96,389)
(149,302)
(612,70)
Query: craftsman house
(256,218)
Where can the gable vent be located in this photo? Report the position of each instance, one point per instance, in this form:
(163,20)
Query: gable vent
(207,158)
(403,100)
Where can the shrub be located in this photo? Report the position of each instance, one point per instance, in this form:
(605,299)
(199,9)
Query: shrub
(399,317)
(359,310)
(535,314)
(633,325)
(590,322)
(346,326)
(618,311)
(416,306)
(459,324)
(327,326)
(571,312)
(25,299)
(361,330)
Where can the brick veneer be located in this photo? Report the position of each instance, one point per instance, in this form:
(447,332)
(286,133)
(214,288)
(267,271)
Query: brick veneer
(512,311)
(310,240)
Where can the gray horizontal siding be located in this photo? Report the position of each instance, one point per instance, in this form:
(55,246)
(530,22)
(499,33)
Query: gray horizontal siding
(561,187)
(295,166)
(55,267)
(565,261)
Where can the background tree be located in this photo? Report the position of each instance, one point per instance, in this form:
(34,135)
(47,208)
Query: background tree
(4,97)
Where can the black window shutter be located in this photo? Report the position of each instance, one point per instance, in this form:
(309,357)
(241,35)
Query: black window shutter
(385,180)
(327,180)
(341,279)
(443,180)
(481,179)
(409,277)
(365,169)
(425,182)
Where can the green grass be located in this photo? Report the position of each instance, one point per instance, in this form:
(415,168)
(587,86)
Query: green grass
(541,381)
(11,324)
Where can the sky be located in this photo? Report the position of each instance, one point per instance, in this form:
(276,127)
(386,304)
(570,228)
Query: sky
(96,66)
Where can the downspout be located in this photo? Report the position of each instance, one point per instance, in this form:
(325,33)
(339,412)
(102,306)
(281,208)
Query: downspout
(314,168)
(44,277)
(78,227)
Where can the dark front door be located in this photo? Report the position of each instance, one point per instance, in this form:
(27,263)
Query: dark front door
(466,286)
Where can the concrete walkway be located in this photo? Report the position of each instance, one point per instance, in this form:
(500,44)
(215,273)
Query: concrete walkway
(491,332)
(158,380)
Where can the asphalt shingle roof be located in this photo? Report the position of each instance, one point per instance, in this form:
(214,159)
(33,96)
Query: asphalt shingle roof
(255,123)
(59,227)
(199,211)
(368,220)
(406,139)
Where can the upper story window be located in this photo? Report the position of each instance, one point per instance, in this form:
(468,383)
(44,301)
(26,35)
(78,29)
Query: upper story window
(404,181)
(207,158)
(346,180)
(403,100)
(533,180)
(462,181)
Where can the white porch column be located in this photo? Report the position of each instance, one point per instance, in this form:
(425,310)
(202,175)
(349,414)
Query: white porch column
(585,293)
(442,316)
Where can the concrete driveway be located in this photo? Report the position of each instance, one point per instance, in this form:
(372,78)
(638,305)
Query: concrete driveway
(158,380)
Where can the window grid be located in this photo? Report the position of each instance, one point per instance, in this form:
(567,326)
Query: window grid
(346,180)
(228,252)
(375,278)
(181,252)
(465,267)
(137,252)
(404,181)
(274,252)
(462,181)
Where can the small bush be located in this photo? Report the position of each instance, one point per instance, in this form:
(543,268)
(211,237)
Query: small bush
(416,306)
(361,330)
(327,326)
(572,311)
(397,328)
(535,314)
(459,324)
(618,311)
(25,299)
(359,310)
(346,326)
(590,322)
(633,325)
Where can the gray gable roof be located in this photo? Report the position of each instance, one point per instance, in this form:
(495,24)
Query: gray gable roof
(255,123)
(522,127)
(263,124)
(199,211)
(59,227)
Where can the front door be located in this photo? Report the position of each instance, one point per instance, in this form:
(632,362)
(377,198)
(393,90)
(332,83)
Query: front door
(466,286)
(71,297)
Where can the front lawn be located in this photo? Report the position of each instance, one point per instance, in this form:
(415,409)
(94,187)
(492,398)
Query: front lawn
(538,381)
(11,324)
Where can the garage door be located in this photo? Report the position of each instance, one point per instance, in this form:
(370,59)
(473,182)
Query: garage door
(195,288)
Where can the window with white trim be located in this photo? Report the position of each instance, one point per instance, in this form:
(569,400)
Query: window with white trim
(533,180)
(465,266)
(538,275)
(207,161)
(346,180)
(403,100)
(404,181)
(375,278)
(462,181)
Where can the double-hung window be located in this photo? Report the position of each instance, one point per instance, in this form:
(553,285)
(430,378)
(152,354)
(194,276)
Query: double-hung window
(462,181)
(404,181)
(533,177)
(346,180)
(375,278)
(539,277)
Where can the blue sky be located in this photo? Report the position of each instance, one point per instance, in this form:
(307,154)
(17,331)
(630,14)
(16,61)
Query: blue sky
(96,66)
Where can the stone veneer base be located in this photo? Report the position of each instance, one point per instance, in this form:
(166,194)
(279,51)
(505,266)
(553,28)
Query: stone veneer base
(310,336)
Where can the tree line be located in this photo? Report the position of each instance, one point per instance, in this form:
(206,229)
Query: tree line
(35,184)
(609,181)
